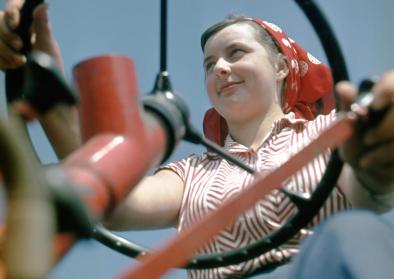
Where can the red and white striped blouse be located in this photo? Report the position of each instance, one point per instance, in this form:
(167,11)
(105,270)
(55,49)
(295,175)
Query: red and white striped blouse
(209,180)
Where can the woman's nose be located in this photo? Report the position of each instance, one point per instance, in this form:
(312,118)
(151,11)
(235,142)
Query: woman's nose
(222,68)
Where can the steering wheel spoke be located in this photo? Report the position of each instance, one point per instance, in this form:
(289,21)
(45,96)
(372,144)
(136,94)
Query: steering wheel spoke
(300,200)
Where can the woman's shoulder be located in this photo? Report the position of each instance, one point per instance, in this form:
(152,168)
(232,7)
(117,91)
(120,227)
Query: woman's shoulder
(326,118)
(197,157)
(187,160)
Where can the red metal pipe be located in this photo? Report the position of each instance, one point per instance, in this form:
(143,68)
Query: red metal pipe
(179,250)
(122,142)
(108,96)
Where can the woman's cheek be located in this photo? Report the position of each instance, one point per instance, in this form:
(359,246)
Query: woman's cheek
(211,88)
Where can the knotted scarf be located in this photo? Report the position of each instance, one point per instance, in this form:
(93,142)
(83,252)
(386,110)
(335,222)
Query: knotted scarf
(308,82)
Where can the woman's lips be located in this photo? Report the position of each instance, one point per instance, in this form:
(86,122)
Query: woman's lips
(228,87)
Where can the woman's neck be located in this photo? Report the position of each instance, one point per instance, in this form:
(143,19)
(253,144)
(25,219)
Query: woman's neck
(251,133)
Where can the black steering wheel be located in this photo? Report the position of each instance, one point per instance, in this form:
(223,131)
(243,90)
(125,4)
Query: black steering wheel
(307,207)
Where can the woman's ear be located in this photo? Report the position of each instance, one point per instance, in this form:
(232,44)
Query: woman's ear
(281,67)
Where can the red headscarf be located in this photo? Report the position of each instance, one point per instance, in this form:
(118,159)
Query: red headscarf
(307,82)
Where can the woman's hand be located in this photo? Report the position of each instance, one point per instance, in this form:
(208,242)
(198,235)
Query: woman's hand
(10,43)
(60,123)
(370,152)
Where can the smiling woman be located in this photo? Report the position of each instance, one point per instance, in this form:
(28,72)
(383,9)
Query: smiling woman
(238,90)
(264,49)
(251,86)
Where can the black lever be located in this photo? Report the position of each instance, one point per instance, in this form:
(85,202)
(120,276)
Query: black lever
(44,86)
(365,99)
(14,79)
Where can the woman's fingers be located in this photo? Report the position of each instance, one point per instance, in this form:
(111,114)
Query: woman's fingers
(383,132)
(7,36)
(384,91)
(10,42)
(383,99)
(44,39)
(10,59)
(347,94)
(378,157)
(12,13)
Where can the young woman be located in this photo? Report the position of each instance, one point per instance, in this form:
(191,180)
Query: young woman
(270,98)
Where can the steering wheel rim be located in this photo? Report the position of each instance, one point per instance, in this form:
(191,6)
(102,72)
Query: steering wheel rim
(307,208)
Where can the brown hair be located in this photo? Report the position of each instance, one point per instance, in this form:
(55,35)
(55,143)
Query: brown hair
(264,37)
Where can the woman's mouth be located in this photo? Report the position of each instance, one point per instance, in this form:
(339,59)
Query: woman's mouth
(228,87)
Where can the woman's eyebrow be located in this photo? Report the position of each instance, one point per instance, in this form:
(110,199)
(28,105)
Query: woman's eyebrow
(207,59)
(230,46)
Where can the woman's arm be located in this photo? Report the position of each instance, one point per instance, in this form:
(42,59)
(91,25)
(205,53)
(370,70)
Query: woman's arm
(362,197)
(61,126)
(154,203)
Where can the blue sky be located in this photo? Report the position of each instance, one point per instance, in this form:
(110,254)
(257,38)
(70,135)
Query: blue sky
(86,29)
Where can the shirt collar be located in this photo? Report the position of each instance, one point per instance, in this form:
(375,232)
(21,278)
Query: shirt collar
(289,120)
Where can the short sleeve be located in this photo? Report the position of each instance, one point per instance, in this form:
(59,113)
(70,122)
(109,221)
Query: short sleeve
(179,167)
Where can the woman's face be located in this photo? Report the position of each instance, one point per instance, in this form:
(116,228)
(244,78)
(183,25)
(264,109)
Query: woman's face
(240,74)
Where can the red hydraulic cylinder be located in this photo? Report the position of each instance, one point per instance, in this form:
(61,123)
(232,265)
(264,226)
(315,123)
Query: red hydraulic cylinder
(121,141)
(109,101)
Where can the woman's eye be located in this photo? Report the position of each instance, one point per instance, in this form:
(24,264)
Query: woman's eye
(236,51)
(208,66)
